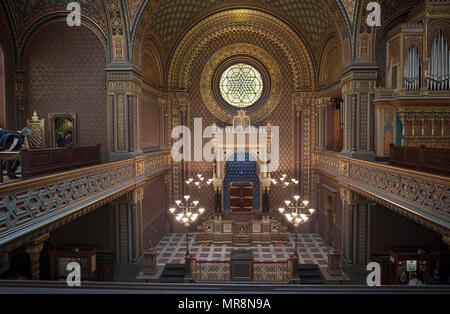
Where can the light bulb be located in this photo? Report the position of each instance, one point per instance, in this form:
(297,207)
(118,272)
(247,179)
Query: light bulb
(178,218)
(284,175)
(298,220)
(281,210)
(289,217)
(194,217)
(172,210)
(197,183)
(185,219)
(312,210)
(304,217)
(287,202)
(199,175)
(189,214)
(187,197)
(294,214)
(305,202)
(296,197)
(286,183)
(195,203)
(178,202)
(187,182)
(201,210)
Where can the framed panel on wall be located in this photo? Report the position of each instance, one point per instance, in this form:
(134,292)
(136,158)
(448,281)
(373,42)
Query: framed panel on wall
(63,129)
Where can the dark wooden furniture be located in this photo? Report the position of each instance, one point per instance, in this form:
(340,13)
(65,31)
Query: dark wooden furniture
(37,162)
(422,158)
(406,261)
(241,265)
(84,256)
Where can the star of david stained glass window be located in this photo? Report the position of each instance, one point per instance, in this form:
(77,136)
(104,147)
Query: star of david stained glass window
(241,85)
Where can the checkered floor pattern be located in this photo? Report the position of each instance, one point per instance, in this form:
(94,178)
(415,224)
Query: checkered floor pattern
(311,250)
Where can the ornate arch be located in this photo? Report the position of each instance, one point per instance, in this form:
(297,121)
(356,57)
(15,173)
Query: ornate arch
(330,51)
(263,24)
(61,17)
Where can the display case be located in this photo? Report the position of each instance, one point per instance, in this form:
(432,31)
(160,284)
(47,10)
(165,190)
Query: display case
(405,262)
(84,256)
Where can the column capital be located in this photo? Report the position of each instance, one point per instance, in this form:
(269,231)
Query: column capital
(446,239)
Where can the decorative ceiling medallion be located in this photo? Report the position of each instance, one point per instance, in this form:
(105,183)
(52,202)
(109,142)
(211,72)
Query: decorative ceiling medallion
(241,85)
(272,91)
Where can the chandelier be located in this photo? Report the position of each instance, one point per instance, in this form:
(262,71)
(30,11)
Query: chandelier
(285,181)
(186,212)
(297,212)
(199,181)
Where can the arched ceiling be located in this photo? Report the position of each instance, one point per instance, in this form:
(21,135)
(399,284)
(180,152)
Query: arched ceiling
(168,20)
(25,12)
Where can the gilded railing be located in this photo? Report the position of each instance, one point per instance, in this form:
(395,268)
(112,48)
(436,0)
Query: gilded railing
(424,194)
(30,204)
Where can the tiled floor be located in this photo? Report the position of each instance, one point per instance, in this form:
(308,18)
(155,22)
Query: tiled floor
(311,250)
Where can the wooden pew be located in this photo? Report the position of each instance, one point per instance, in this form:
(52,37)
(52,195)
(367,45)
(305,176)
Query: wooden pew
(421,158)
(38,162)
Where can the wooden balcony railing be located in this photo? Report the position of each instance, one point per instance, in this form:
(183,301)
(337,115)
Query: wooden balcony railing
(422,195)
(31,204)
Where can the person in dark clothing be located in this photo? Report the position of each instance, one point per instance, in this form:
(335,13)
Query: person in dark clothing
(12,141)
(436,280)
(66,140)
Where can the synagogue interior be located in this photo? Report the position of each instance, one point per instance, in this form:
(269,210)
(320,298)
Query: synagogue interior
(224,141)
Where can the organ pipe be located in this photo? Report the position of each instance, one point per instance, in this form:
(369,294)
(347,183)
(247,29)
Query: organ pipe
(439,65)
(412,69)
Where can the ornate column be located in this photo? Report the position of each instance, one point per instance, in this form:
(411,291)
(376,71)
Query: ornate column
(361,230)
(124,90)
(162,104)
(135,199)
(179,106)
(348,208)
(19,86)
(303,104)
(34,250)
(128,222)
(123,237)
(358,87)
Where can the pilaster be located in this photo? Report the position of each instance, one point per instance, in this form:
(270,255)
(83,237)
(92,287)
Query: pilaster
(124,125)
(358,87)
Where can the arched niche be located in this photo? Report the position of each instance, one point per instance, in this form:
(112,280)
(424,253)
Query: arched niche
(64,74)
(330,63)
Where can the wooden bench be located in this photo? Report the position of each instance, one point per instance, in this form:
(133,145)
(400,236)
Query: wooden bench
(421,158)
(38,162)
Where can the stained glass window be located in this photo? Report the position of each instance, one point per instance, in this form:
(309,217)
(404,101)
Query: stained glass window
(241,85)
